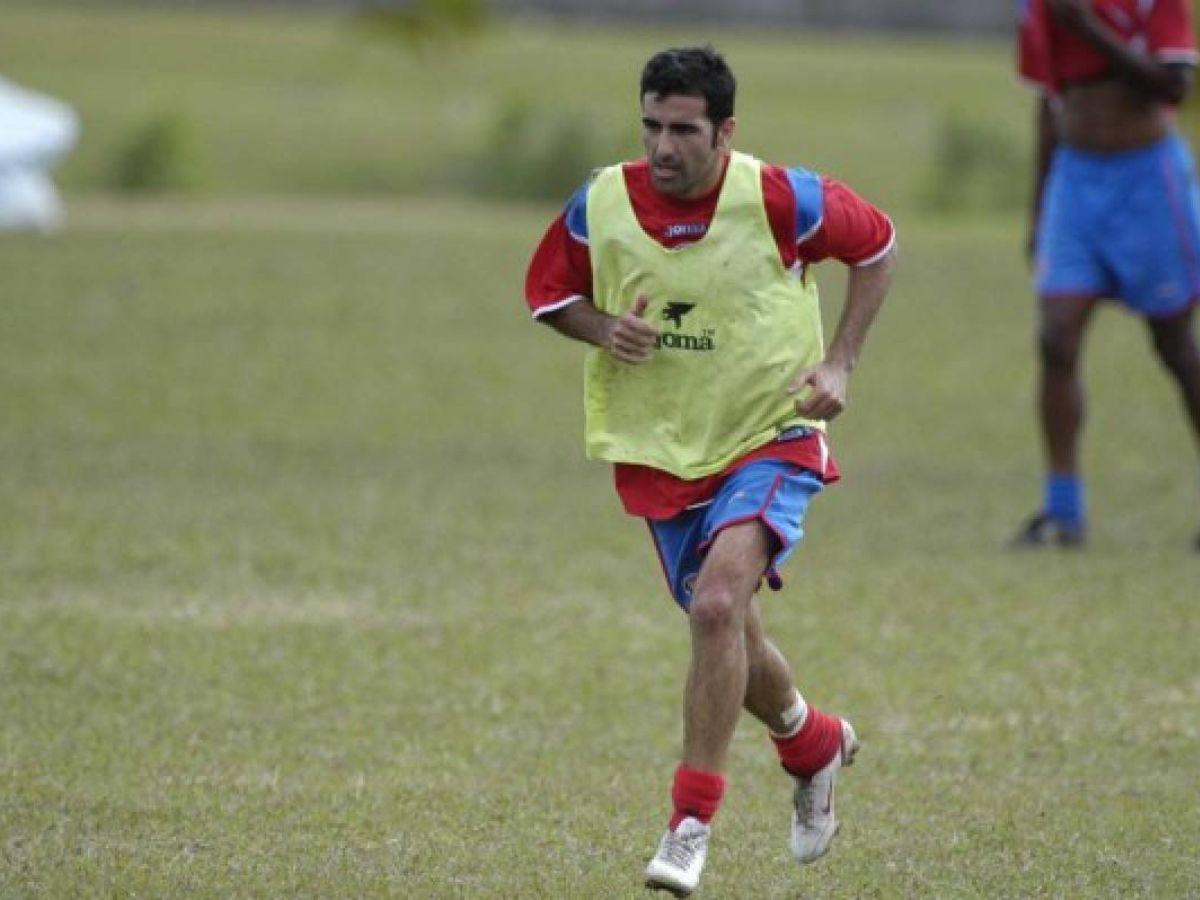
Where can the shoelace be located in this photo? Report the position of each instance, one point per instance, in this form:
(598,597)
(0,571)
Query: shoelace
(805,802)
(681,849)
(805,799)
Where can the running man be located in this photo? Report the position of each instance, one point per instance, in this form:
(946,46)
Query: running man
(707,385)
(1116,213)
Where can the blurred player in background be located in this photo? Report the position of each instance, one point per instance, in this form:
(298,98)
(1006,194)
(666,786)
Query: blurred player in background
(36,132)
(708,387)
(1116,213)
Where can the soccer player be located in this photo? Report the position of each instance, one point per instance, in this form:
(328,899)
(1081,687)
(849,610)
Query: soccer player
(708,386)
(1116,212)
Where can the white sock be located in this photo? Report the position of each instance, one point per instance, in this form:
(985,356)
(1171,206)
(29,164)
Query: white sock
(793,717)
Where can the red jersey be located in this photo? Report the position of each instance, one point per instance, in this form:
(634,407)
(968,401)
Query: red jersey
(1050,55)
(812,218)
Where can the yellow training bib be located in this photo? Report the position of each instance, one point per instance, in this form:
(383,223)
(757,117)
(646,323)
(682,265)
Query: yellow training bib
(736,326)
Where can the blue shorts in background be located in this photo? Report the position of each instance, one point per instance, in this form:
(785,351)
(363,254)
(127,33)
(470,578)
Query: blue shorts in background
(771,491)
(1123,226)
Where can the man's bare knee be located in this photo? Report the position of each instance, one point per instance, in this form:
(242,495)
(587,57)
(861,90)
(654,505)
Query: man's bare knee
(1062,322)
(716,608)
(1058,346)
(729,577)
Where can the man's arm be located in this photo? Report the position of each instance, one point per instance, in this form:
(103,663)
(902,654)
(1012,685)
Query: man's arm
(826,382)
(1046,139)
(1168,82)
(628,337)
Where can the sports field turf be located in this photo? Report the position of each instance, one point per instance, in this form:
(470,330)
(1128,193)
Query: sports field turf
(305,588)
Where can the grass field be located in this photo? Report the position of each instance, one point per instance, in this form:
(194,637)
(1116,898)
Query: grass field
(305,588)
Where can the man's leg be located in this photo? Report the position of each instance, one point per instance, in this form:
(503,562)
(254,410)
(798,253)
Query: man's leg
(1176,348)
(716,689)
(1063,320)
(770,688)
(734,666)
(812,745)
(1061,394)
(720,666)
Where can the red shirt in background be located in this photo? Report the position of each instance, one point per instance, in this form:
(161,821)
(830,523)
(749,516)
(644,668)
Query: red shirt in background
(1050,55)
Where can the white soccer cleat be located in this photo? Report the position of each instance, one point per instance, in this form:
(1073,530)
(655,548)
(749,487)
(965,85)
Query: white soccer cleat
(677,865)
(814,821)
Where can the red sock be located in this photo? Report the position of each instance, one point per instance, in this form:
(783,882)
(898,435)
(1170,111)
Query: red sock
(812,747)
(696,794)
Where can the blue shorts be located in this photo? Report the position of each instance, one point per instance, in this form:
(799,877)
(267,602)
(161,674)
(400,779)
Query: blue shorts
(1124,226)
(771,491)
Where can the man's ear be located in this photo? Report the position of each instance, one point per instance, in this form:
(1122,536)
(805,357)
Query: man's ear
(725,133)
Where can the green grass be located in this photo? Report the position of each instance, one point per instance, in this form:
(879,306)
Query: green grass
(305,588)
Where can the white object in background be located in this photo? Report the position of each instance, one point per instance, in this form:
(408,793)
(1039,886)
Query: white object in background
(35,133)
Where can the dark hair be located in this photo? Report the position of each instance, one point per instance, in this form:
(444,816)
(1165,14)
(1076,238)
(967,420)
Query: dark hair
(693,71)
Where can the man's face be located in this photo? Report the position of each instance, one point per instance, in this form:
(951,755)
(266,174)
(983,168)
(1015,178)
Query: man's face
(684,148)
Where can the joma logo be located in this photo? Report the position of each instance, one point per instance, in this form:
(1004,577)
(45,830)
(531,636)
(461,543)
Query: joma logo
(674,341)
(676,310)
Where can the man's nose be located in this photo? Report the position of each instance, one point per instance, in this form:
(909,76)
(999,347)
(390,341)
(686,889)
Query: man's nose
(664,145)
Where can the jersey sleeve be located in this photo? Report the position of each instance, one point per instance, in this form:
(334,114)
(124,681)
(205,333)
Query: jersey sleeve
(1169,34)
(560,271)
(809,193)
(1034,61)
(851,230)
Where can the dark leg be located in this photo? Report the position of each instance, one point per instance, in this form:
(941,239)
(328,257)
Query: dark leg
(1176,349)
(1062,323)
(1061,394)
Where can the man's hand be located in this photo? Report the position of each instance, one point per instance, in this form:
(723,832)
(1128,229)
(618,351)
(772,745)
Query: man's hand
(821,389)
(632,339)
(825,386)
(1077,15)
